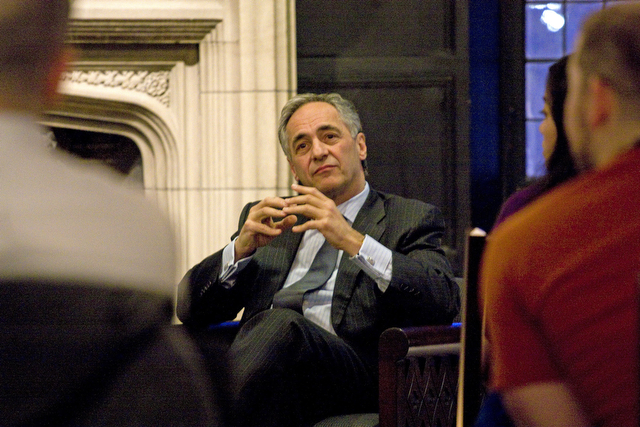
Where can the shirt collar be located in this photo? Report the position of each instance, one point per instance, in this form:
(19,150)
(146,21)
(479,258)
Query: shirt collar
(351,207)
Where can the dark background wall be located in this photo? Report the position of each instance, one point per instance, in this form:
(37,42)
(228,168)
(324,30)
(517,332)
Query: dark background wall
(435,97)
(405,66)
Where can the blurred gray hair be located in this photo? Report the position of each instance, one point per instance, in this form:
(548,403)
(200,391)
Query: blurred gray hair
(32,34)
(610,49)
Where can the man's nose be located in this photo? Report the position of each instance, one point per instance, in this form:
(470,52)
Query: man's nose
(318,149)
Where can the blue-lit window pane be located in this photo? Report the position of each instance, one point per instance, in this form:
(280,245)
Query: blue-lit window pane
(543,30)
(576,14)
(535,81)
(535,160)
(542,44)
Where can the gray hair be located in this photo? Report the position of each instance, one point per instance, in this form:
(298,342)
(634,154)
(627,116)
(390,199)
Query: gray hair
(32,34)
(346,110)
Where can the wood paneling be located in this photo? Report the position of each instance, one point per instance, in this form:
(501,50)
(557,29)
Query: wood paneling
(405,65)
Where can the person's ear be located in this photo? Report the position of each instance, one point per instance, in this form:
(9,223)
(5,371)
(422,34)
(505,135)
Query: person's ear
(58,67)
(362,146)
(601,102)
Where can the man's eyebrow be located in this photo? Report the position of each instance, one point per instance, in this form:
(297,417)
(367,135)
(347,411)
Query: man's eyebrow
(298,137)
(322,128)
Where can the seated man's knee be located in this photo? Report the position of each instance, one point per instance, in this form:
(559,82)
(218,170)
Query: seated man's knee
(281,334)
(279,324)
(273,338)
(281,319)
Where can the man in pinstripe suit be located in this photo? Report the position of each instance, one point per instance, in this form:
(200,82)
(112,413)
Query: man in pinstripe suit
(290,367)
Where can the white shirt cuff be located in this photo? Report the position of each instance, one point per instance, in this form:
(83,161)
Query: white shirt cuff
(229,271)
(375,260)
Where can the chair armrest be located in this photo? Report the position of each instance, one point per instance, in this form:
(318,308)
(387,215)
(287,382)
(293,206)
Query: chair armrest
(398,343)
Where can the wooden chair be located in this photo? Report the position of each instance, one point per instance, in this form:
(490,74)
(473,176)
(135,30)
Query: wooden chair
(431,375)
(419,376)
(470,376)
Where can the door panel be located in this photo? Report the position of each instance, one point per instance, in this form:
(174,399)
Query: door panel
(405,65)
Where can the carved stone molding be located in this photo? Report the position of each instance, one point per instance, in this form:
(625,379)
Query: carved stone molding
(152,83)
(196,85)
(121,31)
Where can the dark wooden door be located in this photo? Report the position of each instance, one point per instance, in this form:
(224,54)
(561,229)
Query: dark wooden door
(405,65)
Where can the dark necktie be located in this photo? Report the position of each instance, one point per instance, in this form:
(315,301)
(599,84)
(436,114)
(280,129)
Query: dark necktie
(319,272)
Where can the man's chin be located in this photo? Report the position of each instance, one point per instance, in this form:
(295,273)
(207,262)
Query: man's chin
(329,189)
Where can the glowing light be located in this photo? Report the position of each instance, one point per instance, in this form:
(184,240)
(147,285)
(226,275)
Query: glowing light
(553,20)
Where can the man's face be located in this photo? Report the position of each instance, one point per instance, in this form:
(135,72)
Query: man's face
(575,117)
(323,154)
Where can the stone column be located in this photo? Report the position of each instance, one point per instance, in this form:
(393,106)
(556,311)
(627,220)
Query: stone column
(208,141)
(247,73)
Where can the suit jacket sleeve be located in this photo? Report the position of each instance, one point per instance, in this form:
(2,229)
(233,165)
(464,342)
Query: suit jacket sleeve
(202,300)
(422,288)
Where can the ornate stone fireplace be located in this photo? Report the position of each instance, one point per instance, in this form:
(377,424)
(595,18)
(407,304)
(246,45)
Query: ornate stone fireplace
(198,86)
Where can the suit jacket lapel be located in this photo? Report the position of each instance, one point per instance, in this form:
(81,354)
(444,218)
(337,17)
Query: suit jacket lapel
(368,221)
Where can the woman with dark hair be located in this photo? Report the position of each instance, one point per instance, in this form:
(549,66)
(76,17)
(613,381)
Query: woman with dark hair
(555,147)
(560,168)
